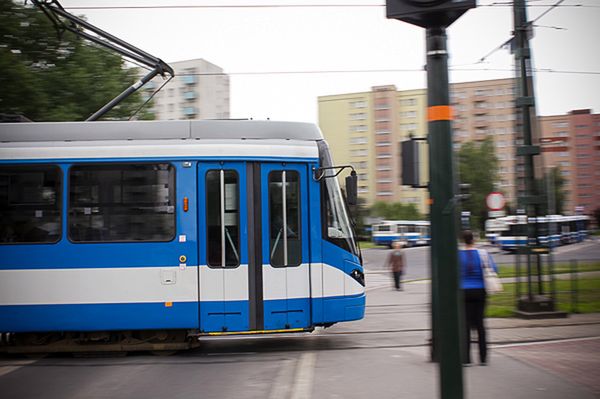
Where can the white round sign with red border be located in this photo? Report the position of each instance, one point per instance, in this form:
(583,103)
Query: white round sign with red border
(495,201)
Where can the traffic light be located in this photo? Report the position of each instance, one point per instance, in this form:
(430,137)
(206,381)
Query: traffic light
(428,13)
(409,150)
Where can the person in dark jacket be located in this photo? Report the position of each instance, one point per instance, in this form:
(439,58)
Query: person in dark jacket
(395,262)
(472,284)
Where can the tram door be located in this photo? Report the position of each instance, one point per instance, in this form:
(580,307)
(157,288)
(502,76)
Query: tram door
(253,246)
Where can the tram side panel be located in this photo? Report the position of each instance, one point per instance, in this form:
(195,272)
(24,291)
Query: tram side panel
(94,277)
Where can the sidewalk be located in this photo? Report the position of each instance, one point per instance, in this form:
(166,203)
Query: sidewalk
(529,359)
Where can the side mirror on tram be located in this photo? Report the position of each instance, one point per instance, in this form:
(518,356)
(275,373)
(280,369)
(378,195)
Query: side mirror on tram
(352,188)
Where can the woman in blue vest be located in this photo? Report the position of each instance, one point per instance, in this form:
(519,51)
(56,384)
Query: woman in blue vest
(472,262)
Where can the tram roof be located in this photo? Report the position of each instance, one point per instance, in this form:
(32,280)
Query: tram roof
(158,130)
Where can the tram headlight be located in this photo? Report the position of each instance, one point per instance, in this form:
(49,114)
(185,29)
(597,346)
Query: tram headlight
(358,276)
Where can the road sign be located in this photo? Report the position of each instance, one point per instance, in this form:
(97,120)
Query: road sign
(496,214)
(495,201)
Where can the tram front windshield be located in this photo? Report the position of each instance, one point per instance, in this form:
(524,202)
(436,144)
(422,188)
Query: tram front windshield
(338,229)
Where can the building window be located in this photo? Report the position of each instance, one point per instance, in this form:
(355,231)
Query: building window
(358,140)
(359,153)
(408,127)
(408,102)
(358,104)
(122,203)
(30,204)
(189,95)
(358,128)
(358,117)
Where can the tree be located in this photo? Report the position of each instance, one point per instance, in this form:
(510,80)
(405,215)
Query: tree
(47,78)
(478,167)
(396,211)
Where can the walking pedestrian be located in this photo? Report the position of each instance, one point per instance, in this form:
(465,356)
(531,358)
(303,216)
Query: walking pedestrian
(472,262)
(395,262)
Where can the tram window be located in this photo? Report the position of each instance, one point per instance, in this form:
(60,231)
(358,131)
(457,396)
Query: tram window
(336,227)
(30,204)
(284,214)
(122,202)
(222,218)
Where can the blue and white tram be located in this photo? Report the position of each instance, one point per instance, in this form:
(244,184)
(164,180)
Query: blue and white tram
(552,230)
(409,232)
(199,227)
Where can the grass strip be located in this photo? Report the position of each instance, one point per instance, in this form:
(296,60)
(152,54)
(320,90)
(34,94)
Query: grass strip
(559,268)
(588,297)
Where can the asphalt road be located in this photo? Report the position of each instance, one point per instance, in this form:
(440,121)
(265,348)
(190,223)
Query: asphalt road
(381,356)
(418,267)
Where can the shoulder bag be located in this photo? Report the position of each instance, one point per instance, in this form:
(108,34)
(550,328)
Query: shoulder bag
(491,280)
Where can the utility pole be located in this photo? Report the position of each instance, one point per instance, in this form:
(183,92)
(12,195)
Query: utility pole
(444,223)
(435,16)
(537,302)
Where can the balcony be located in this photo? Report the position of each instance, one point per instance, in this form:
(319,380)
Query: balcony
(189,112)
(189,95)
(188,79)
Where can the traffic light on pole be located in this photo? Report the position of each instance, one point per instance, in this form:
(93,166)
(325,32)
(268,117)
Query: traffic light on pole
(428,13)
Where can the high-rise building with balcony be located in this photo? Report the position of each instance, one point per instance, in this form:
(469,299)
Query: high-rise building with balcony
(365,129)
(572,143)
(200,90)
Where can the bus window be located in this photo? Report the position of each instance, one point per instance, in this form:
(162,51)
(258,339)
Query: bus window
(222,216)
(30,204)
(122,203)
(284,215)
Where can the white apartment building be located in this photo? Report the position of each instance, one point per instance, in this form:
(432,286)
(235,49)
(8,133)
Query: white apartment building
(200,90)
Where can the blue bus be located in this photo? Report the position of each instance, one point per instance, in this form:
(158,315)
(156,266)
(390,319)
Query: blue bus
(156,232)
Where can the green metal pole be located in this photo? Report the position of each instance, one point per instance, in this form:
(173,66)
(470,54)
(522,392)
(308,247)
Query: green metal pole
(444,223)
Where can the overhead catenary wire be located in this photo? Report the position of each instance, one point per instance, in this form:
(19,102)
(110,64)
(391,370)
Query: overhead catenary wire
(296,5)
(349,71)
(150,98)
(509,41)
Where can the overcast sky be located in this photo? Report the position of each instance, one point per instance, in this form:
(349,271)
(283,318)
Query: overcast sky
(243,40)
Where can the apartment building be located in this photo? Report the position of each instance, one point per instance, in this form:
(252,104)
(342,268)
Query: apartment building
(572,142)
(365,129)
(485,109)
(200,90)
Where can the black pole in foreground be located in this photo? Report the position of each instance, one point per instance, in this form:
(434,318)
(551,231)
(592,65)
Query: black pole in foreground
(444,224)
